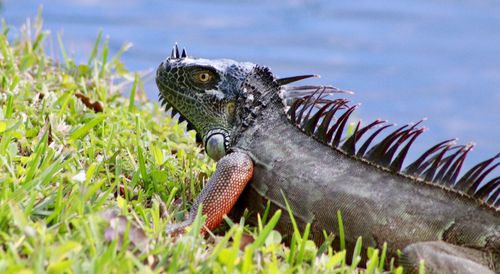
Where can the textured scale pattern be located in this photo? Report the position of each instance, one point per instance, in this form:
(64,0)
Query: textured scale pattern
(425,223)
(326,119)
(222,191)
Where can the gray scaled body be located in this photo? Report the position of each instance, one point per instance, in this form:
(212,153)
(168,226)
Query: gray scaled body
(273,140)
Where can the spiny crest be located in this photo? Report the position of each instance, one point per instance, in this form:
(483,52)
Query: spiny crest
(326,119)
(164,103)
(260,83)
(259,87)
(175,53)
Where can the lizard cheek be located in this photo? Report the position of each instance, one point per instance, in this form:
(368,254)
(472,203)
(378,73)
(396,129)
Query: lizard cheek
(215,146)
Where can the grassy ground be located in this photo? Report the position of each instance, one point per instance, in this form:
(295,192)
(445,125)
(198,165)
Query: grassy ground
(89,179)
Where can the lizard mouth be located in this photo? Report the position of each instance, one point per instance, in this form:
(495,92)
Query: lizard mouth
(175,112)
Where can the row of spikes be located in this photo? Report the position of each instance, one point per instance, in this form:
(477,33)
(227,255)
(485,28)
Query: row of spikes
(441,164)
(164,103)
(175,52)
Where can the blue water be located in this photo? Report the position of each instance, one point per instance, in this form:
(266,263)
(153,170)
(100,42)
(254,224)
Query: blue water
(404,59)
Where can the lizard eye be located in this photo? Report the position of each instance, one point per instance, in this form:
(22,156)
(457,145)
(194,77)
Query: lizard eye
(203,77)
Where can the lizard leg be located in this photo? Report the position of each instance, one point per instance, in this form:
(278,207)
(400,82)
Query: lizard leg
(441,257)
(223,189)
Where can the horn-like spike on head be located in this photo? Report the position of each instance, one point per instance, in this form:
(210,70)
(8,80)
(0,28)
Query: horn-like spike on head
(184,53)
(176,51)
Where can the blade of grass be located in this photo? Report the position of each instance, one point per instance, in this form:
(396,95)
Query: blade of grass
(261,238)
(33,164)
(266,211)
(9,107)
(373,262)
(296,233)
(383,257)
(356,255)
(84,130)
(63,50)
(140,154)
(132,93)
(300,255)
(95,49)
(64,103)
(341,230)
(105,51)
(421,267)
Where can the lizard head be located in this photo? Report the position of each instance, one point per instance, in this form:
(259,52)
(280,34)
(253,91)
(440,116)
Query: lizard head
(205,93)
(220,98)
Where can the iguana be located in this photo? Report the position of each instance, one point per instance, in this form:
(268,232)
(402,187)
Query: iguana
(270,138)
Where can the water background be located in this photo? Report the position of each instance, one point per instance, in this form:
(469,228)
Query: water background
(404,59)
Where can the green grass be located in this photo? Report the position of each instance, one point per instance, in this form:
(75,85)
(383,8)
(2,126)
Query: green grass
(85,191)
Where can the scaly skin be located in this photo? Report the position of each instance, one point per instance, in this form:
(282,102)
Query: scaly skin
(221,192)
(237,111)
(379,206)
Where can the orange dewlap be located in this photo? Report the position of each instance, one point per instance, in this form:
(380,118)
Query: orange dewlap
(223,189)
(233,173)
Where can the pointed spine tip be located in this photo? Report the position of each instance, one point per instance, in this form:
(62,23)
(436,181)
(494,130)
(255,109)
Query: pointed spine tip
(176,50)
(469,146)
